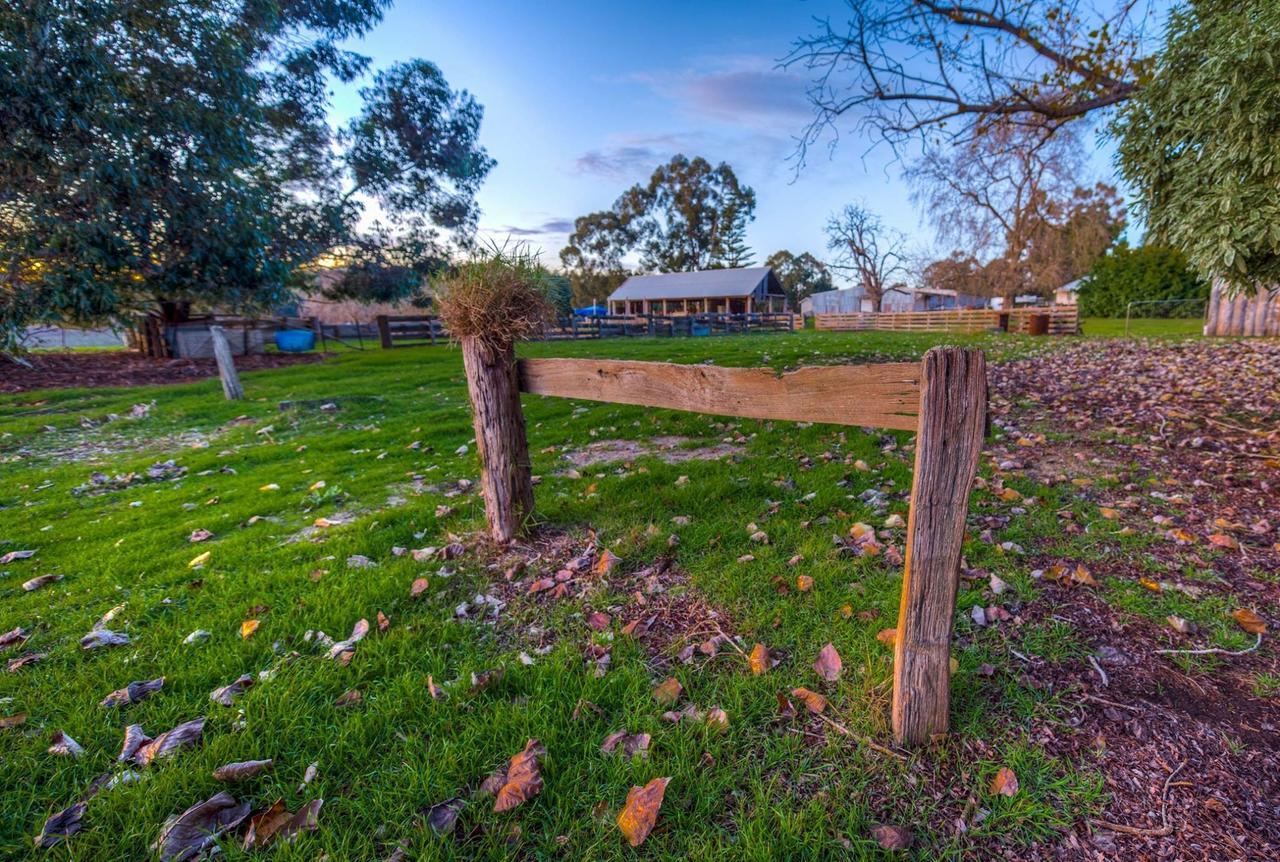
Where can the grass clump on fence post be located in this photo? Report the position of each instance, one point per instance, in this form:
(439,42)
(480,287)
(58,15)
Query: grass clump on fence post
(489,302)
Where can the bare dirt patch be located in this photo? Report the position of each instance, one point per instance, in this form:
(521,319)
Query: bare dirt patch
(124,368)
(672,450)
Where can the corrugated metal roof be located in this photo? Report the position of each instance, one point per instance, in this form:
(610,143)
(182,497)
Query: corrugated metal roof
(694,285)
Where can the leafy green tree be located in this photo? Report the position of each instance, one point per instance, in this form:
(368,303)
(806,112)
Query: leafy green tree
(180,154)
(685,218)
(1200,141)
(560,293)
(1156,275)
(801,275)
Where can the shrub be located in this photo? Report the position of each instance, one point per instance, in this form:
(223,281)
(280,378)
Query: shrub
(1145,274)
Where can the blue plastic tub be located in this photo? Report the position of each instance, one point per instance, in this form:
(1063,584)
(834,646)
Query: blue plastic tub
(295,340)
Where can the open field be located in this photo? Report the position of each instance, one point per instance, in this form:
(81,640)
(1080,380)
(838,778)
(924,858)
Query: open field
(1067,586)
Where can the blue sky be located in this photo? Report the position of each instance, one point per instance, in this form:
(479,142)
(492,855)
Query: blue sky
(584,99)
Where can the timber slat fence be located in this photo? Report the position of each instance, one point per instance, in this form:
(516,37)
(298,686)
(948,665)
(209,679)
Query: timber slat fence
(1060,320)
(415,330)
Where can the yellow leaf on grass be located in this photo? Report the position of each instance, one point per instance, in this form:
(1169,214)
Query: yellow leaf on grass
(1249,621)
(524,780)
(813,701)
(1108,513)
(846,611)
(888,637)
(759,659)
(804,583)
(271,486)
(640,812)
(1154,586)
(1009,495)
(200,560)
(247,628)
(606,563)
(1005,783)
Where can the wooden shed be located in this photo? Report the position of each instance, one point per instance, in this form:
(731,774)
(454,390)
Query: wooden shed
(717,291)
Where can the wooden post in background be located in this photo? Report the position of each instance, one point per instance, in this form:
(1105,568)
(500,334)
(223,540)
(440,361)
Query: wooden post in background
(952,423)
(231,387)
(505,474)
(384,331)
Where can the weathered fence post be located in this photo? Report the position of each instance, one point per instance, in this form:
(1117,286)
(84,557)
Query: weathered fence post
(952,423)
(505,473)
(384,331)
(231,387)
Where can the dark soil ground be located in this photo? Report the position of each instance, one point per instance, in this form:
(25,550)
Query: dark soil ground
(93,369)
(1180,437)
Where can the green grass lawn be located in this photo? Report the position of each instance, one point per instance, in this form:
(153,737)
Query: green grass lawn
(1172,327)
(767,787)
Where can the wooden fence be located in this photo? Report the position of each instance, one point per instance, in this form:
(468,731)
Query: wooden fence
(942,398)
(1256,315)
(413,330)
(410,330)
(1056,320)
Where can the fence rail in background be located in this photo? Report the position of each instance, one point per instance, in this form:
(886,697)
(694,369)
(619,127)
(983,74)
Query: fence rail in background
(1256,315)
(1049,320)
(411,330)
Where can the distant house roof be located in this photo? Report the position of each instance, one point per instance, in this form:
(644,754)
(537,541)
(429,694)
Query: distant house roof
(757,280)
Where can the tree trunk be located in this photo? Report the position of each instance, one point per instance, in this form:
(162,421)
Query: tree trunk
(505,478)
(231,387)
(952,422)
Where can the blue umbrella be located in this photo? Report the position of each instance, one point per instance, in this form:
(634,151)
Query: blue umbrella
(591,311)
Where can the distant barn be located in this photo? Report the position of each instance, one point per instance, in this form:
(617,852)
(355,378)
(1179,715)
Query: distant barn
(717,291)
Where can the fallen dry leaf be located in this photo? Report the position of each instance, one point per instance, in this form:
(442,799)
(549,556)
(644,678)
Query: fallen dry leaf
(132,693)
(523,780)
(103,637)
(134,738)
(668,691)
(888,637)
(199,536)
(64,746)
(630,744)
(828,665)
(442,816)
(200,560)
(759,659)
(893,837)
(10,721)
(418,587)
(1005,782)
(640,813)
(167,743)
(434,690)
(41,581)
(248,627)
(343,649)
(241,770)
(383,622)
(15,555)
(61,825)
(606,563)
(227,692)
(813,701)
(1249,621)
(804,583)
(13,637)
(277,824)
(197,829)
(350,697)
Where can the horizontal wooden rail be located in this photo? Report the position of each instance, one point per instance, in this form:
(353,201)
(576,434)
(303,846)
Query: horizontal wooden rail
(1062,320)
(877,396)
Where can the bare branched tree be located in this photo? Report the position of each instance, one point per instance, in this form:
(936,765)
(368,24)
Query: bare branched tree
(949,70)
(1013,197)
(874,255)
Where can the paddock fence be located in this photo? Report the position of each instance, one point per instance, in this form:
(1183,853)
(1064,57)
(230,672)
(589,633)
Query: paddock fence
(1049,320)
(415,330)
